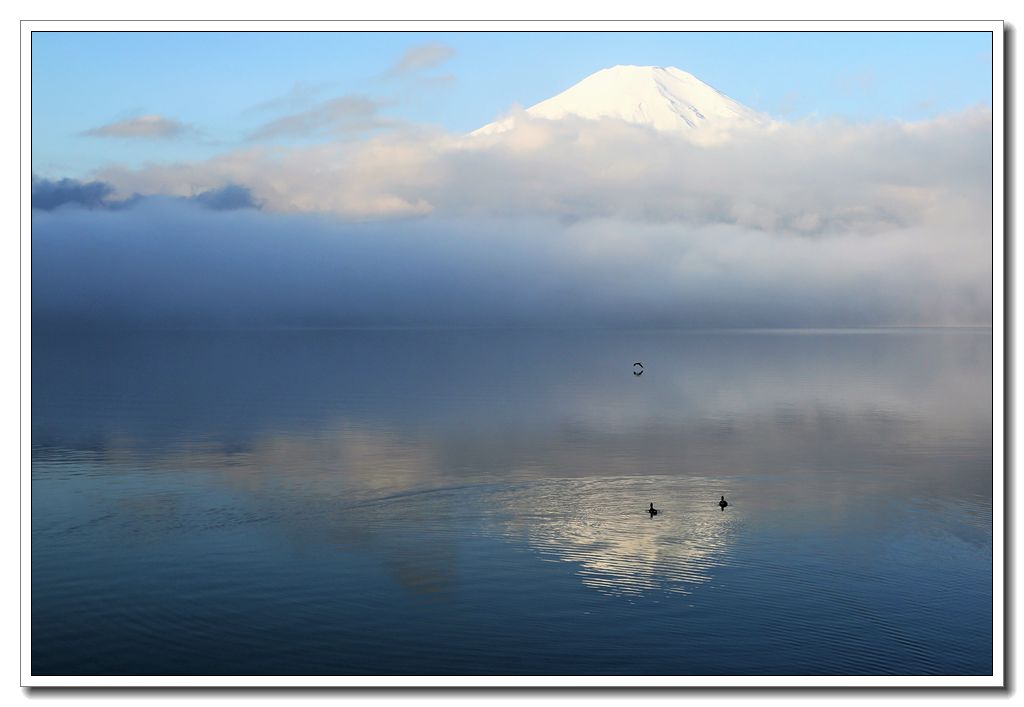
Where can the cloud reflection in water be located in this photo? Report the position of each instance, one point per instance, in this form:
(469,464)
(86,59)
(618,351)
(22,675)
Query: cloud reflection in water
(600,525)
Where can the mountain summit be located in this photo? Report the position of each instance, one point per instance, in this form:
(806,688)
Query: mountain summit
(664,98)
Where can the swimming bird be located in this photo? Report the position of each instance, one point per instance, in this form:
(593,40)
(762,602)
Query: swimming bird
(652,510)
(723,503)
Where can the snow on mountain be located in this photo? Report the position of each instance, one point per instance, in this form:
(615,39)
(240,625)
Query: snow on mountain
(666,99)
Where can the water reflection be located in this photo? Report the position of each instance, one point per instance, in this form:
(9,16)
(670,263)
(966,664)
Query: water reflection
(270,486)
(232,389)
(601,526)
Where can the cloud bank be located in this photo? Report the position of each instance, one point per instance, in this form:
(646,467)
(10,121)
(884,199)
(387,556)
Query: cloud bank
(552,223)
(810,179)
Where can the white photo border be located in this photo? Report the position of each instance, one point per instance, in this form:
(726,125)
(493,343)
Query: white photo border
(999,397)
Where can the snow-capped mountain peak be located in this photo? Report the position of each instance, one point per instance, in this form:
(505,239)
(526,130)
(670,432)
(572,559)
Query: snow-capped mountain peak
(664,98)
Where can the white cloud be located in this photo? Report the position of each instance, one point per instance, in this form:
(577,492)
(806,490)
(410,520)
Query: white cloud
(299,95)
(337,116)
(811,179)
(144,126)
(423,56)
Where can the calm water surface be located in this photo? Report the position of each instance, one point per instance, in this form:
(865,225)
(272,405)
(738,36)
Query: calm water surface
(472,502)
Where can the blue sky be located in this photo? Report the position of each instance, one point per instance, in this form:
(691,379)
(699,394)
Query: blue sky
(221,87)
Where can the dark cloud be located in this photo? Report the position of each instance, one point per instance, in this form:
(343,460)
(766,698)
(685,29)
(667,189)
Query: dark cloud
(145,126)
(338,116)
(50,194)
(227,198)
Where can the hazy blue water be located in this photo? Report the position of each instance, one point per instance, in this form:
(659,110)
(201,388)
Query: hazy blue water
(465,502)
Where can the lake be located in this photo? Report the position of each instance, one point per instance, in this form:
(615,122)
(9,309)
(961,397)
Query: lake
(461,502)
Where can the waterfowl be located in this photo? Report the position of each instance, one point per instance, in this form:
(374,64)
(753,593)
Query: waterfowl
(652,510)
(723,503)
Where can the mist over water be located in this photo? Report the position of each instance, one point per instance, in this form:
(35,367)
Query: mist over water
(162,262)
(472,501)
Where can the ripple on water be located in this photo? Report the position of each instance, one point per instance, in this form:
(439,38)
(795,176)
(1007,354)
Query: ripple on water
(598,525)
